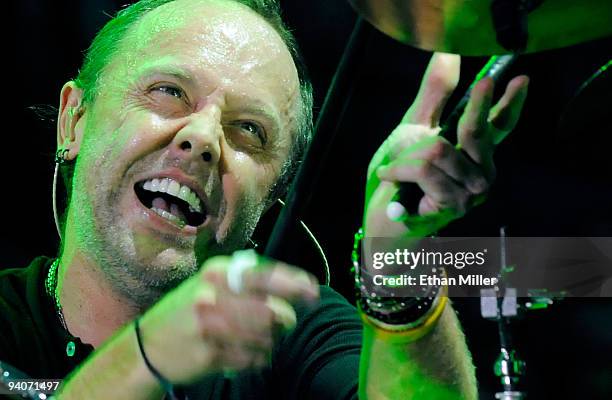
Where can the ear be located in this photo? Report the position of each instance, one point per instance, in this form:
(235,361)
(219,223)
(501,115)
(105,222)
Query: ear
(70,120)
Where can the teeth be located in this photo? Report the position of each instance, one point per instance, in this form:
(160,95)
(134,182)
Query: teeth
(163,185)
(154,185)
(168,216)
(192,199)
(184,193)
(172,187)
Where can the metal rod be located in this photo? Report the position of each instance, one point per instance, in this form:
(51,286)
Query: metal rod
(330,118)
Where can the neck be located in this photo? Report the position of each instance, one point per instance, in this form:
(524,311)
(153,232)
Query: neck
(92,308)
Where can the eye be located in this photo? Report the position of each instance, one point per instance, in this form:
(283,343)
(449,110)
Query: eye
(254,129)
(170,90)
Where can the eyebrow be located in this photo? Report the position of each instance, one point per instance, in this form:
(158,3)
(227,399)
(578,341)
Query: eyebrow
(245,104)
(258,108)
(178,73)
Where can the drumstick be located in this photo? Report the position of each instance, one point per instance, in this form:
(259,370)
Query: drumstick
(409,194)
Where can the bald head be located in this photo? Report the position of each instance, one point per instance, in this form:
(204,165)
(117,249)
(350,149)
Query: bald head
(163,85)
(114,36)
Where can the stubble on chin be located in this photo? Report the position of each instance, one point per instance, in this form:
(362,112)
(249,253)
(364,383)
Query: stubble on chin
(142,276)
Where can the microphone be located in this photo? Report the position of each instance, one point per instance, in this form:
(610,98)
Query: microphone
(407,198)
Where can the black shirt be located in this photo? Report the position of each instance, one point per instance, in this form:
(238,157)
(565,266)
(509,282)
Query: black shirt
(319,359)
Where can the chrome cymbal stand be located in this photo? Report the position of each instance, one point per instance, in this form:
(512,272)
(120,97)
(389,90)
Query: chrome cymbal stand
(502,306)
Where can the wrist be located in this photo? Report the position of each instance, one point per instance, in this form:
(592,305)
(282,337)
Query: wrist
(124,374)
(160,380)
(407,332)
(392,315)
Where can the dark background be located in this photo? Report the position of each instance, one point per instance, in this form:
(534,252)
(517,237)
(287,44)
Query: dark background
(554,178)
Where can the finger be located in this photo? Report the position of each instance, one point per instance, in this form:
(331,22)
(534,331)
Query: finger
(407,136)
(283,313)
(444,191)
(449,160)
(472,133)
(283,281)
(249,319)
(238,356)
(505,114)
(237,319)
(265,277)
(428,206)
(439,82)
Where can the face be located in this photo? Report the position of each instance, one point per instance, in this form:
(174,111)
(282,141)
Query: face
(191,126)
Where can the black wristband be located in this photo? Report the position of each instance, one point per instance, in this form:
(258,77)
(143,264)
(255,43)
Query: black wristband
(383,305)
(165,383)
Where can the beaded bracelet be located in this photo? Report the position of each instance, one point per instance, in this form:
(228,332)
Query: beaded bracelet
(397,319)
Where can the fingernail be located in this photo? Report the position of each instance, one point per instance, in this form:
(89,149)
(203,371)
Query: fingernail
(382,171)
(312,291)
(312,295)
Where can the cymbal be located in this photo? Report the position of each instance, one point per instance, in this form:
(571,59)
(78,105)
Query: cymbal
(466,26)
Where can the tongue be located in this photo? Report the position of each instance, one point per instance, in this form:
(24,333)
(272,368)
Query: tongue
(172,208)
(160,203)
(176,211)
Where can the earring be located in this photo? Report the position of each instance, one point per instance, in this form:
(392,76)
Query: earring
(61,158)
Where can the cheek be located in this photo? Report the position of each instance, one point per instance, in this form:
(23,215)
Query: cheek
(248,178)
(142,134)
(117,145)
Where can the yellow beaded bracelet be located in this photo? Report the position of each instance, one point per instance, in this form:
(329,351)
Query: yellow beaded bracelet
(412,332)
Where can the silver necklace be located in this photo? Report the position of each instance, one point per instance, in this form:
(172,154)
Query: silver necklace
(51,287)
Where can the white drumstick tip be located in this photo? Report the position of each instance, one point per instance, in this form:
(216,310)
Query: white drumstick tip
(396,211)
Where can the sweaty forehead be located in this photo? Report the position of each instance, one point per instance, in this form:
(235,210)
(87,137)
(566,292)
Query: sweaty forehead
(224,40)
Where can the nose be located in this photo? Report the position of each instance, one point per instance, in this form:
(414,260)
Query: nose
(199,138)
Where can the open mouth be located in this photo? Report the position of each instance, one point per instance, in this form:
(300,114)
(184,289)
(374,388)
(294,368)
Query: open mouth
(171,200)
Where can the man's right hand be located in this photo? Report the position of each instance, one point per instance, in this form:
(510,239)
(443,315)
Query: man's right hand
(203,326)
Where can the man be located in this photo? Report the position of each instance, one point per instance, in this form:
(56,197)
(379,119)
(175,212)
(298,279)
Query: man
(184,122)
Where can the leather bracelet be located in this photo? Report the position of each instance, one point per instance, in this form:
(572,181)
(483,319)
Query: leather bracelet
(165,383)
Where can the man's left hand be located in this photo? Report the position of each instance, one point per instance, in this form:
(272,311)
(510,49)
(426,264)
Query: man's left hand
(451,177)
